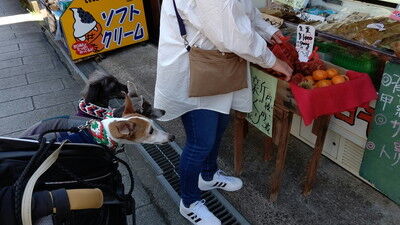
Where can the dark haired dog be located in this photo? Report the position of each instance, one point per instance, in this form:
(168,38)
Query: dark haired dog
(101,88)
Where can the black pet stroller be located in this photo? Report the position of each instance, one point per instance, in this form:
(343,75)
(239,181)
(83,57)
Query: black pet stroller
(38,180)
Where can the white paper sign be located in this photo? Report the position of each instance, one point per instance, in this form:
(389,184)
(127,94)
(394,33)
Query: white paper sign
(297,4)
(377,26)
(310,17)
(305,41)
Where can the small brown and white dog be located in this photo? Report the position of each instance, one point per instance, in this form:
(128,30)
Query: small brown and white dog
(134,128)
(130,128)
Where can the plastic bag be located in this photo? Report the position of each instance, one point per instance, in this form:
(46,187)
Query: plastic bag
(286,52)
(314,63)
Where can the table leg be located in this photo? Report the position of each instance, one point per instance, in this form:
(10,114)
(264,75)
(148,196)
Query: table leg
(286,122)
(320,129)
(268,148)
(239,122)
(245,128)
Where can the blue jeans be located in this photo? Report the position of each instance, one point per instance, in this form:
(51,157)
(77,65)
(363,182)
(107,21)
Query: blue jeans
(204,130)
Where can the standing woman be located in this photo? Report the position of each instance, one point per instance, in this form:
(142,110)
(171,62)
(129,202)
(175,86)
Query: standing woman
(191,27)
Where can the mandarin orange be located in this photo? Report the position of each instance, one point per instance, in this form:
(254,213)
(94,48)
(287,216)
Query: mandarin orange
(319,75)
(332,72)
(323,83)
(338,79)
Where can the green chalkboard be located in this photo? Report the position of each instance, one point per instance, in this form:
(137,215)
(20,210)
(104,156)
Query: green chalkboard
(381,162)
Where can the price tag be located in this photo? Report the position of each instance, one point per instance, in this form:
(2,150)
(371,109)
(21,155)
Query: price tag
(305,41)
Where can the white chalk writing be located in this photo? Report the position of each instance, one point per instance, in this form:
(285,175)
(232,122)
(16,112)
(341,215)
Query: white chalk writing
(386,99)
(396,125)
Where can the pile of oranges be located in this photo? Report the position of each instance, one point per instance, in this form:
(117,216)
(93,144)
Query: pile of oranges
(323,78)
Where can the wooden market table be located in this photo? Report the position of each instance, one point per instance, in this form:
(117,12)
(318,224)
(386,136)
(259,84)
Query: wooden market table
(284,108)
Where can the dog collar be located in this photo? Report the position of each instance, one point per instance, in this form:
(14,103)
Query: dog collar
(95,110)
(100,135)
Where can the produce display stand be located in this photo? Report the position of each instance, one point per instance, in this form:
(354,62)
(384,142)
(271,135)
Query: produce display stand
(285,107)
(342,140)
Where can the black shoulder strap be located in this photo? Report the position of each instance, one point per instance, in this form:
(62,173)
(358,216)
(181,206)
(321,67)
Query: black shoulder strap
(182,27)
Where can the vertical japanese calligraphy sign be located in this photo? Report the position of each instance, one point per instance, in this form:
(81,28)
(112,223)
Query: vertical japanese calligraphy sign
(264,91)
(305,41)
(381,162)
(96,26)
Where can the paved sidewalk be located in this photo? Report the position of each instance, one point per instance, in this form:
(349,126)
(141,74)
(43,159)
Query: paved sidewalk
(34,84)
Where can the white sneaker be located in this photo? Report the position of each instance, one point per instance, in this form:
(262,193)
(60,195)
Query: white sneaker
(199,214)
(222,181)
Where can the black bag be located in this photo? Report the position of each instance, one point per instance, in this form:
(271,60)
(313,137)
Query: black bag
(78,166)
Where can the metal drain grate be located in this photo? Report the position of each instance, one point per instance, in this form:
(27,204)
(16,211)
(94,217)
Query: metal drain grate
(165,161)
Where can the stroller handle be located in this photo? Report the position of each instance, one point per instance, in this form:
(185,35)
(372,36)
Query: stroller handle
(85,198)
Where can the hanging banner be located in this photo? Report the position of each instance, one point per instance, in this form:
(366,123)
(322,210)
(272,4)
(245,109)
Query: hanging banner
(264,91)
(92,27)
(381,162)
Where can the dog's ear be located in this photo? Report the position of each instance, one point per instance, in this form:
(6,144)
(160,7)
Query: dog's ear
(141,102)
(122,129)
(132,90)
(128,106)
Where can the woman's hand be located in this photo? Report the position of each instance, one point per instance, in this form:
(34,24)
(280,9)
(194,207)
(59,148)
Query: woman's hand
(284,68)
(276,37)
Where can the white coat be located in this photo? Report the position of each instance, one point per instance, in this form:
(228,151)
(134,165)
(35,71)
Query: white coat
(227,25)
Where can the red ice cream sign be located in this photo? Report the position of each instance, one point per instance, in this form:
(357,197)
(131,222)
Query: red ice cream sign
(395,15)
(82,48)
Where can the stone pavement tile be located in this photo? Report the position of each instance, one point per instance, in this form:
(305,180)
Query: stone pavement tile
(5,28)
(22,53)
(16,134)
(139,194)
(37,59)
(158,195)
(148,215)
(69,82)
(14,81)
(15,107)
(8,48)
(26,30)
(18,70)
(24,39)
(10,63)
(6,36)
(30,45)
(35,77)
(24,34)
(22,121)
(12,7)
(30,90)
(24,25)
(56,98)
